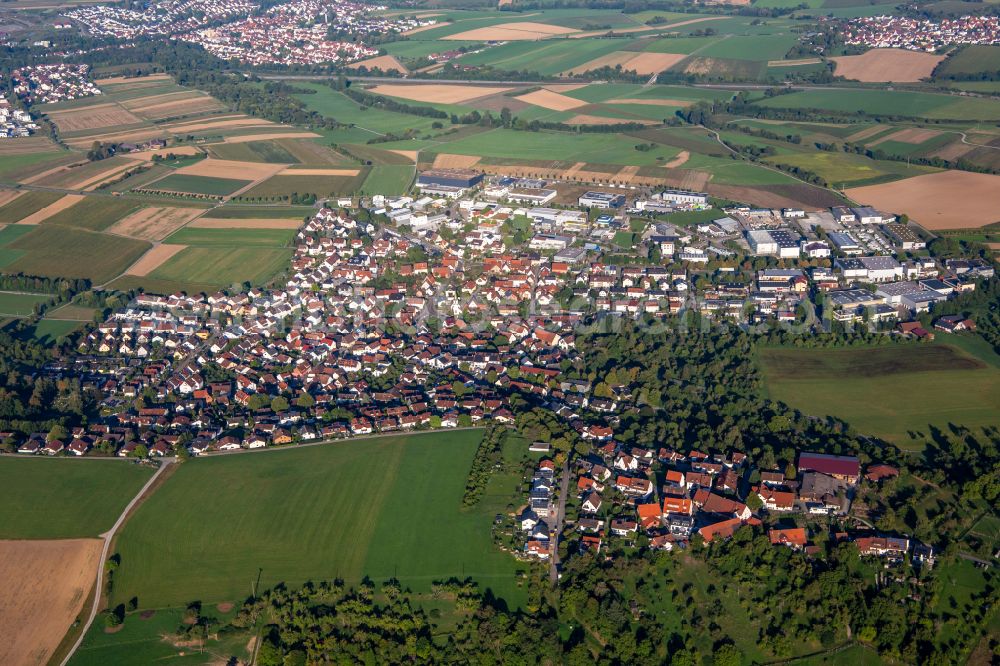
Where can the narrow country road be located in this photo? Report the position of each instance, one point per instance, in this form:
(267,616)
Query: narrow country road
(560,518)
(108,538)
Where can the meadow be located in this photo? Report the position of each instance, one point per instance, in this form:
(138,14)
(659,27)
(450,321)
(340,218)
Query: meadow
(48,498)
(19,305)
(232,237)
(382,507)
(388,179)
(223,266)
(897,393)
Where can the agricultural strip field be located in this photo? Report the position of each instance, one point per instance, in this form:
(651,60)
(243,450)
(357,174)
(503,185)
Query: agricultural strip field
(286,184)
(194,184)
(879,65)
(94,213)
(55,498)
(388,179)
(889,392)
(58,251)
(43,585)
(223,266)
(347,509)
(26,204)
(233,237)
(154,224)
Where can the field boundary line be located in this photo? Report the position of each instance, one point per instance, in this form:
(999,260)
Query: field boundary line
(108,537)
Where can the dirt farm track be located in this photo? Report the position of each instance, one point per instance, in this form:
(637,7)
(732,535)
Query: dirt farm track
(43,585)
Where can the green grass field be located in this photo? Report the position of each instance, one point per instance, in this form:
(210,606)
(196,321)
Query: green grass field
(388,179)
(381,507)
(889,392)
(971,60)
(58,251)
(94,213)
(223,266)
(49,331)
(232,237)
(198,184)
(47,498)
(140,641)
(914,104)
(19,305)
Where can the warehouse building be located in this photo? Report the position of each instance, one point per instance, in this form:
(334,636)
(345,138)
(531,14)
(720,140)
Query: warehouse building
(463,178)
(682,197)
(602,200)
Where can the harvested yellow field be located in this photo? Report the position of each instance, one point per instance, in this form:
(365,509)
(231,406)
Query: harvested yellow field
(43,586)
(141,103)
(681,158)
(865,133)
(114,80)
(943,200)
(320,172)
(92,117)
(6,196)
(584,119)
(913,135)
(183,128)
(653,63)
(641,63)
(26,144)
(386,63)
(651,102)
(422,28)
(154,224)
(244,223)
(234,169)
(437,92)
(408,154)
(512,32)
(181,107)
(53,208)
(153,259)
(450,161)
(552,100)
(884,65)
(246,138)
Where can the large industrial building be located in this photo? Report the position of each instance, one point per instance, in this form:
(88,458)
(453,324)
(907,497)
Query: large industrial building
(602,200)
(464,178)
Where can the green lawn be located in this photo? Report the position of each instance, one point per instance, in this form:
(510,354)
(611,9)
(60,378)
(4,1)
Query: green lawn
(223,266)
(19,305)
(889,392)
(198,184)
(45,498)
(380,507)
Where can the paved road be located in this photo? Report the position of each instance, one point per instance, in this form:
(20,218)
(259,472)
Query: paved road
(108,537)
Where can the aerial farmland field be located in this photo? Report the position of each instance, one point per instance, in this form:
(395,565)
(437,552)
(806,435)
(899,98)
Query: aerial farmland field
(893,392)
(383,507)
(49,498)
